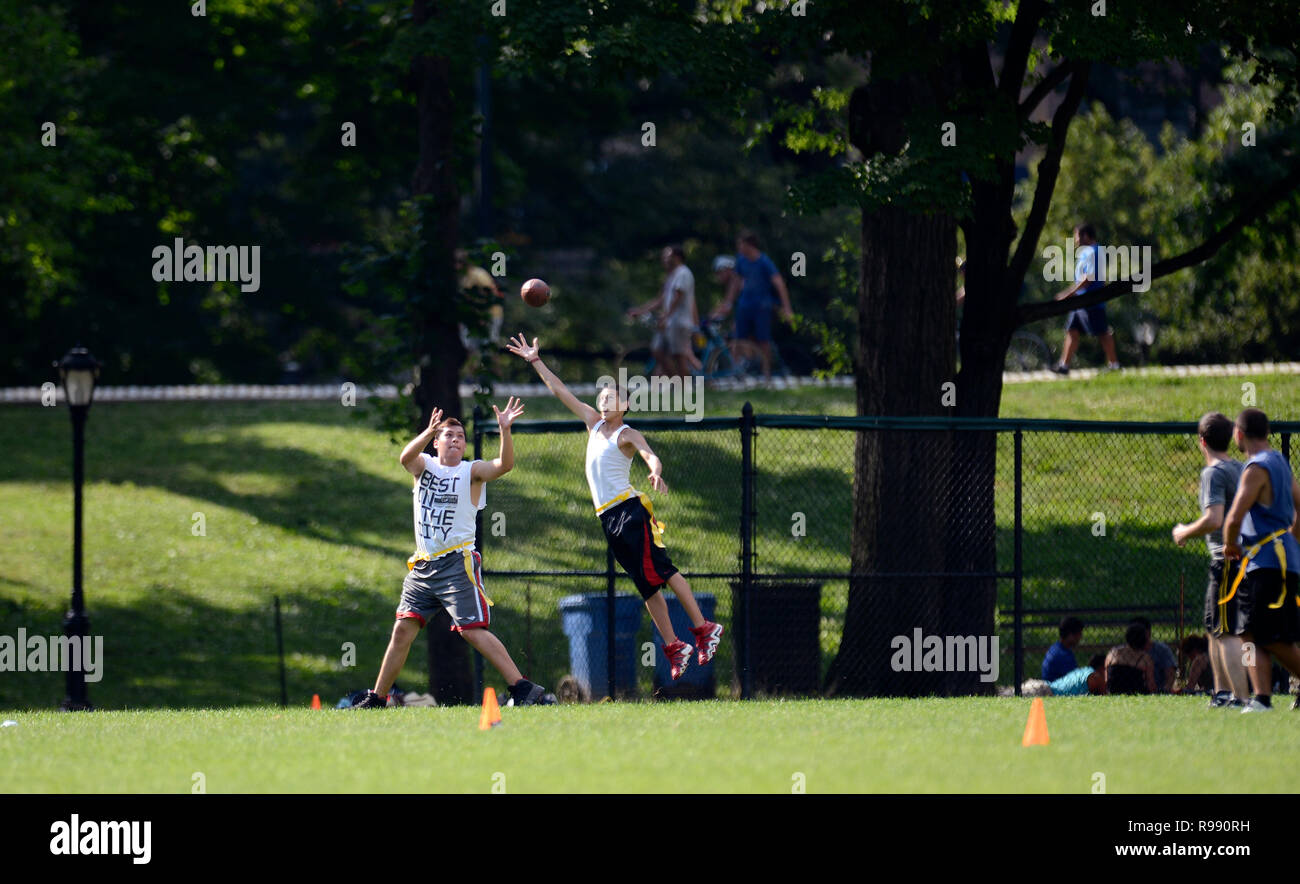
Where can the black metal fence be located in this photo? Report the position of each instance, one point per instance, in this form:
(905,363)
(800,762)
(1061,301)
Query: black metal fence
(1040,519)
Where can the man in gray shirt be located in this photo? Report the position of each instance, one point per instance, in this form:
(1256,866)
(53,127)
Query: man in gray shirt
(1219,481)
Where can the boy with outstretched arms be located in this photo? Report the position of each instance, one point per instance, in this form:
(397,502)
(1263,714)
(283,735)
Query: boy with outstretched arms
(626,515)
(446,572)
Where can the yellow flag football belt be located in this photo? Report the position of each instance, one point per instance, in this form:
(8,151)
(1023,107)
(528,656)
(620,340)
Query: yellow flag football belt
(656,527)
(1279,548)
(469,565)
(425,557)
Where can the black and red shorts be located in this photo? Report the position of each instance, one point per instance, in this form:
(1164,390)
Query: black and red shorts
(637,546)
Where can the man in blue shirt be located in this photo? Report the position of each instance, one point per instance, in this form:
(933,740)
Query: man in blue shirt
(1060,656)
(1088,276)
(1162,659)
(1261,532)
(754,278)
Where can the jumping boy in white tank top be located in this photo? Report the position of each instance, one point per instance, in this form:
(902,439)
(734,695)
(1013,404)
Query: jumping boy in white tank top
(446,572)
(626,515)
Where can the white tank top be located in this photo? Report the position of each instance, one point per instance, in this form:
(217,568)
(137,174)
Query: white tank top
(444,515)
(607,467)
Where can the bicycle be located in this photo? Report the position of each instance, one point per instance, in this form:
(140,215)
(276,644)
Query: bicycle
(717,359)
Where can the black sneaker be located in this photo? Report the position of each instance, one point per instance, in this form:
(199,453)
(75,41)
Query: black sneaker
(1060,369)
(371,701)
(1220,699)
(525,693)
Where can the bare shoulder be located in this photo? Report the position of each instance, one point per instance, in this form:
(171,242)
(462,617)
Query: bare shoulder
(632,438)
(416,467)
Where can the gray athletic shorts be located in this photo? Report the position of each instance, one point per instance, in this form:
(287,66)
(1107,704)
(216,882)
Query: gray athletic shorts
(675,339)
(453,582)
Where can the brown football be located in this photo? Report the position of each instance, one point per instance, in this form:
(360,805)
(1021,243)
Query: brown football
(535,292)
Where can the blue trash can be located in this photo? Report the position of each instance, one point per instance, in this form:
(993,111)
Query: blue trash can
(698,682)
(584,619)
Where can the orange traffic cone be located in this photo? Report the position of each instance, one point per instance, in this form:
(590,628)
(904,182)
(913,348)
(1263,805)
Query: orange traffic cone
(490,717)
(315,701)
(1036,726)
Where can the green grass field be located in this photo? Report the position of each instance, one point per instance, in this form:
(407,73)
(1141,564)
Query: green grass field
(306,501)
(1141,745)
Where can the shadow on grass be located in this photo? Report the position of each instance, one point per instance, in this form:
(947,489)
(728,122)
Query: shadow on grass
(197,450)
(178,650)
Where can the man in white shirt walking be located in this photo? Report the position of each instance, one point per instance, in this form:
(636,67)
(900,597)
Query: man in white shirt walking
(678,317)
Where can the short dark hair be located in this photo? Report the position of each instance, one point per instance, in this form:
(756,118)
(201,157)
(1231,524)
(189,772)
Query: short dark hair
(445,423)
(1087,230)
(1216,430)
(675,251)
(749,237)
(1070,626)
(1253,423)
(1141,621)
(1097,661)
(1136,636)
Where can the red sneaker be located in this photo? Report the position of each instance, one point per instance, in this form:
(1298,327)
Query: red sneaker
(679,657)
(707,636)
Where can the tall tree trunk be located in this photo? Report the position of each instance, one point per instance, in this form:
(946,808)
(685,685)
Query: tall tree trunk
(437,350)
(904,356)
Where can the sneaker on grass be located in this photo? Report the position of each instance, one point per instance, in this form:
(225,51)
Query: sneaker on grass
(371,701)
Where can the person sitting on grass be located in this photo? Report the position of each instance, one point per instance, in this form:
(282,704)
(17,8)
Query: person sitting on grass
(1200,675)
(1090,679)
(1060,656)
(1129,669)
(1162,658)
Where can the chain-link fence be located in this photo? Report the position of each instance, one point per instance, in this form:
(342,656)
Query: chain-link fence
(975,537)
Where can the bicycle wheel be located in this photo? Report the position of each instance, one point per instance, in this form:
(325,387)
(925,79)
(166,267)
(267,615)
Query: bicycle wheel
(1027,352)
(719,364)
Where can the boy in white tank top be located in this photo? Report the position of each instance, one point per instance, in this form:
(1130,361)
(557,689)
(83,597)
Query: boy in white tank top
(627,516)
(445,572)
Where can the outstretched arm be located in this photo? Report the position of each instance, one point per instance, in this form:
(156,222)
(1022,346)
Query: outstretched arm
(410,456)
(633,438)
(646,307)
(487,470)
(519,346)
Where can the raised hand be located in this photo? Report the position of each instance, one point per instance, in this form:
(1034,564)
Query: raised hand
(519,346)
(514,408)
(435,418)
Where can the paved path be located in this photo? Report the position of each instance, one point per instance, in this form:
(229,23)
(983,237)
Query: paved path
(325,392)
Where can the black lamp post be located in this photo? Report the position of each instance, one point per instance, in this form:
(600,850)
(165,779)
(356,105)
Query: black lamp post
(78,370)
